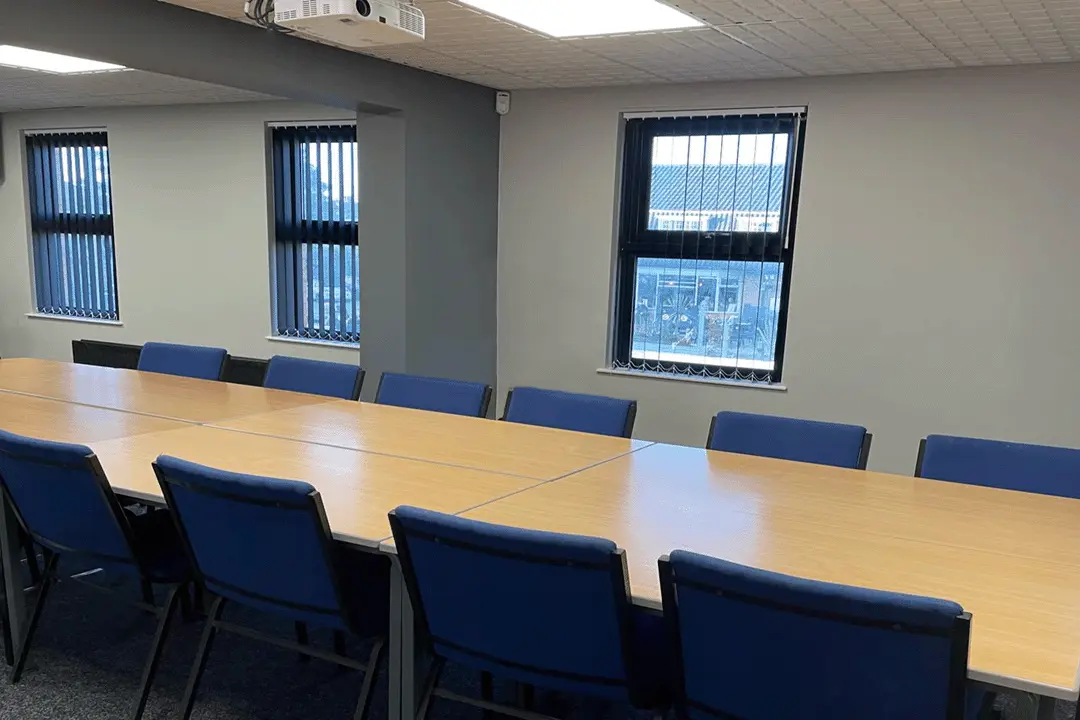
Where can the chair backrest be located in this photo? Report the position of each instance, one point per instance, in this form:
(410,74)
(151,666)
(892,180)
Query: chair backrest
(193,361)
(571,411)
(1011,466)
(824,443)
(758,645)
(315,377)
(258,541)
(62,498)
(436,394)
(535,607)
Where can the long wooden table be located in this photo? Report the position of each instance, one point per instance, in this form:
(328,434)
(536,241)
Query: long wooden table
(1012,559)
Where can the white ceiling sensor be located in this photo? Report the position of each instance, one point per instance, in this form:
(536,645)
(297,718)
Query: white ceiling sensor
(28,59)
(584,18)
(352,23)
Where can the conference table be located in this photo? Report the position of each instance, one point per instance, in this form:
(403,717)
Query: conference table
(1011,559)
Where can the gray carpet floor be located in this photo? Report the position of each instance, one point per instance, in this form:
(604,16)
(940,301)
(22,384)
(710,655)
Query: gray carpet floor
(86,662)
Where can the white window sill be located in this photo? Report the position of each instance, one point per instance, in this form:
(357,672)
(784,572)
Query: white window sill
(312,341)
(776,387)
(73,318)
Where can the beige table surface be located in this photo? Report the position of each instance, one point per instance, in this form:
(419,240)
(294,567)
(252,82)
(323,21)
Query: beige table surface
(358,489)
(501,447)
(149,393)
(1012,559)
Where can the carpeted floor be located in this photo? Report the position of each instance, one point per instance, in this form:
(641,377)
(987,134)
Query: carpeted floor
(87,658)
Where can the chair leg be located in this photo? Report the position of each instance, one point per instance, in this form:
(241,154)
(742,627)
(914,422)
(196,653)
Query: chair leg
(162,633)
(370,675)
(201,656)
(47,579)
(147,591)
(429,689)
(9,648)
(186,611)
(339,644)
(526,696)
(302,638)
(487,692)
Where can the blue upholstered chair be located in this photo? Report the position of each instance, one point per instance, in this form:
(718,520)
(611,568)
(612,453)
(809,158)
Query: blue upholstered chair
(539,608)
(265,543)
(824,443)
(64,502)
(193,361)
(757,645)
(571,411)
(315,377)
(1007,465)
(436,394)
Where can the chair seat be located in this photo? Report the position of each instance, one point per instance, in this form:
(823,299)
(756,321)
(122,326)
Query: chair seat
(159,543)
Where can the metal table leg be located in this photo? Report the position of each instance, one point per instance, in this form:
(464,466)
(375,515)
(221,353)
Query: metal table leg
(13,574)
(404,688)
(1035,707)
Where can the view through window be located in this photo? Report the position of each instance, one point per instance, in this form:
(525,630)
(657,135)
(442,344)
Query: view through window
(316,250)
(706,243)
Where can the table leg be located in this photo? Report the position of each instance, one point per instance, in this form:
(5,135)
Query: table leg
(13,574)
(403,659)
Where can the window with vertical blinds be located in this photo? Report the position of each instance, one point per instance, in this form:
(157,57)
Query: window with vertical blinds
(316,252)
(706,240)
(71,224)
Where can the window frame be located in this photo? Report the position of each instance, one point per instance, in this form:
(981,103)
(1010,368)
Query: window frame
(291,228)
(91,274)
(636,241)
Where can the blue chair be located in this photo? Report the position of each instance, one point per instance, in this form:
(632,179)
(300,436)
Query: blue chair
(757,645)
(533,607)
(64,502)
(436,394)
(824,443)
(1038,469)
(571,411)
(265,544)
(315,377)
(193,361)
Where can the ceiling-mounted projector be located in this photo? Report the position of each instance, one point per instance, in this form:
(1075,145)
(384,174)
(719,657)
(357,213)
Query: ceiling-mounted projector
(352,23)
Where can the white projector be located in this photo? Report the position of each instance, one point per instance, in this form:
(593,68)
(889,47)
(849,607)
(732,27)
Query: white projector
(352,23)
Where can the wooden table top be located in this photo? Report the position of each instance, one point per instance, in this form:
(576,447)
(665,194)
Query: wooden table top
(1012,559)
(358,489)
(66,422)
(501,447)
(167,396)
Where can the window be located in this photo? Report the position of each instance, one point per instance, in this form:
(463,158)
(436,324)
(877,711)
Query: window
(71,224)
(316,280)
(705,244)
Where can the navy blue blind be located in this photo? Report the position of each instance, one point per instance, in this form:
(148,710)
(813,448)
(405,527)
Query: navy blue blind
(71,224)
(316,250)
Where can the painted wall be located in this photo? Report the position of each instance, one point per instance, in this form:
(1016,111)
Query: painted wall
(934,275)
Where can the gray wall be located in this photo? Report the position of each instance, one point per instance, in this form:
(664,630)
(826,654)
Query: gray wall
(436,146)
(934,286)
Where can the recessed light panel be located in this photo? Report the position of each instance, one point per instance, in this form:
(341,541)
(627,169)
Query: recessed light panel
(578,18)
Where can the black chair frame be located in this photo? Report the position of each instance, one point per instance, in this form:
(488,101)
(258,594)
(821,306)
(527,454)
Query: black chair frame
(960,636)
(214,622)
(52,551)
(628,429)
(616,566)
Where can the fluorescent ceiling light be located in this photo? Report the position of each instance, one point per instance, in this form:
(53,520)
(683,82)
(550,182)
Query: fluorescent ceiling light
(577,18)
(51,62)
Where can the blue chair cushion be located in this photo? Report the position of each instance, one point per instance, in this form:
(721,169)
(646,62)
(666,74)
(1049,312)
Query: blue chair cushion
(1011,466)
(570,411)
(203,363)
(810,441)
(315,377)
(434,394)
